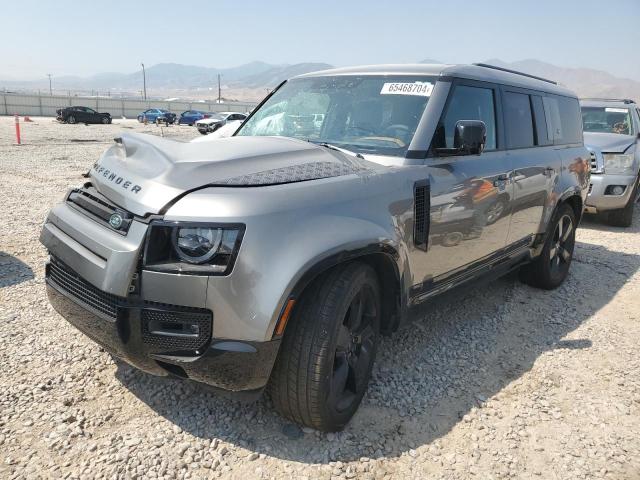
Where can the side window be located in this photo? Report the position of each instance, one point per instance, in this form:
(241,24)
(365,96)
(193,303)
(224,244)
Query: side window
(563,114)
(542,134)
(467,103)
(518,120)
(571,119)
(552,114)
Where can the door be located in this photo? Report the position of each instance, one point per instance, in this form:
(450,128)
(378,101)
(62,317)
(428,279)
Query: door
(470,194)
(536,164)
(92,116)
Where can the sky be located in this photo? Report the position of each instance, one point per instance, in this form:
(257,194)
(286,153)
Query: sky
(65,37)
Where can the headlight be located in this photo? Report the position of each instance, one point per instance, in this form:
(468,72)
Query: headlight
(618,163)
(196,248)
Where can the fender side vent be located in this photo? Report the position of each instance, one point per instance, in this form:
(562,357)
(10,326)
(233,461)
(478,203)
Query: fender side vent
(421,208)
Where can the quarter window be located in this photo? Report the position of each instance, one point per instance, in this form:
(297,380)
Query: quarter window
(563,115)
(518,120)
(467,103)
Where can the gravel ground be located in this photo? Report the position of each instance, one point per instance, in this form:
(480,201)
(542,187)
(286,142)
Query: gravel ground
(500,381)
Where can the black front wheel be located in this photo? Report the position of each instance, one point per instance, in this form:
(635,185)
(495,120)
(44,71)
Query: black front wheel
(71,119)
(328,349)
(551,267)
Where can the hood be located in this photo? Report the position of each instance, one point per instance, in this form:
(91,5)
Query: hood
(144,173)
(609,142)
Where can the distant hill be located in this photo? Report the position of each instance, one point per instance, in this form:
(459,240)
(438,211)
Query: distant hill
(168,76)
(586,82)
(250,80)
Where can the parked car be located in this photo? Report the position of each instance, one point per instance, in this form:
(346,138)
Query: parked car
(156,115)
(82,115)
(216,121)
(276,258)
(612,135)
(190,117)
(225,131)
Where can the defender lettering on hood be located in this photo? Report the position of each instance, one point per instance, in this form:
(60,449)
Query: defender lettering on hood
(115,178)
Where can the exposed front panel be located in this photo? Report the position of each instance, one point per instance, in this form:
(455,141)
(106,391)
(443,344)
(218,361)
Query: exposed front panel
(188,290)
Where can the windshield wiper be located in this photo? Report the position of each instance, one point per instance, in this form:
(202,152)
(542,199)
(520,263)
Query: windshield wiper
(338,149)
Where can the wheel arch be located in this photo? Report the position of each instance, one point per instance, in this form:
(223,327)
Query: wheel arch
(383,258)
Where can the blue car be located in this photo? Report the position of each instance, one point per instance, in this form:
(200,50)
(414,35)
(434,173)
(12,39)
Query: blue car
(190,117)
(155,114)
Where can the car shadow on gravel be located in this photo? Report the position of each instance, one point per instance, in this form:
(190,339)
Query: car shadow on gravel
(13,271)
(431,375)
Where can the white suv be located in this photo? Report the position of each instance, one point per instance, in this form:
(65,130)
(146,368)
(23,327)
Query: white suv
(612,135)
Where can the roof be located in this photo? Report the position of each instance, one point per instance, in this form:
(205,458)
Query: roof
(471,72)
(607,102)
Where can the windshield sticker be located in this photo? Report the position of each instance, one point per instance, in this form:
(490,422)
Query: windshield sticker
(616,110)
(422,89)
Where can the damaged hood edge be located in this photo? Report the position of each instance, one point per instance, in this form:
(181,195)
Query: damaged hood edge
(144,173)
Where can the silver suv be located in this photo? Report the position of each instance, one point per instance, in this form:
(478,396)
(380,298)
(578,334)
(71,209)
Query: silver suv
(612,135)
(343,204)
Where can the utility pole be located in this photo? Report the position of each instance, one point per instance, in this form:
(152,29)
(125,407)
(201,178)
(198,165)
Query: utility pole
(144,81)
(218,88)
(50,90)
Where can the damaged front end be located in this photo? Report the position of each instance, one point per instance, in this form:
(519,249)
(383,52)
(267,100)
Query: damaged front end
(164,293)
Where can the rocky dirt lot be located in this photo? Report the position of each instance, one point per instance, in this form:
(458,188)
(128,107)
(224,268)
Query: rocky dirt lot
(497,381)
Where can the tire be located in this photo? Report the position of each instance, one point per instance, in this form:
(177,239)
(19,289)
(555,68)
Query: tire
(495,211)
(551,267)
(452,239)
(106,120)
(328,349)
(71,119)
(624,216)
(203,132)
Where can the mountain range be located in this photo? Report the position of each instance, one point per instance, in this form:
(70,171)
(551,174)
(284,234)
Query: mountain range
(257,76)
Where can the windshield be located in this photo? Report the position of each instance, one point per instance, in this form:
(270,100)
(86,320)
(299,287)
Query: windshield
(367,114)
(607,120)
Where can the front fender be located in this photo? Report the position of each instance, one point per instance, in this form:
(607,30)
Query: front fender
(276,258)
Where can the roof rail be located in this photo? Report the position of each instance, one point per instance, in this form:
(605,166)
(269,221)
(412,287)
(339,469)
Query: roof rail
(486,65)
(621,100)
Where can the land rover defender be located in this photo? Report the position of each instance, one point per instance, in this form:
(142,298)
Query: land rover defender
(348,199)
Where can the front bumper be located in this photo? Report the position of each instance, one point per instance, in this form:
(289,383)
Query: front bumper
(597,201)
(123,327)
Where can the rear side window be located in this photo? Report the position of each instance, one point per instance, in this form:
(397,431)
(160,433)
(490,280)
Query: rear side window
(518,120)
(564,118)
(467,103)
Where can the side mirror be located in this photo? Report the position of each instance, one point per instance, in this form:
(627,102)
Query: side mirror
(470,137)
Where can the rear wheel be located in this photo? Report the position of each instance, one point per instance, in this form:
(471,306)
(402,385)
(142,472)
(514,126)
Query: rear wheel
(328,349)
(71,119)
(551,267)
(624,216)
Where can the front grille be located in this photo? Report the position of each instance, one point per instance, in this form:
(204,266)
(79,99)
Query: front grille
(590,188)
(91,203)
(171,331)
(593,162)
(69,282)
